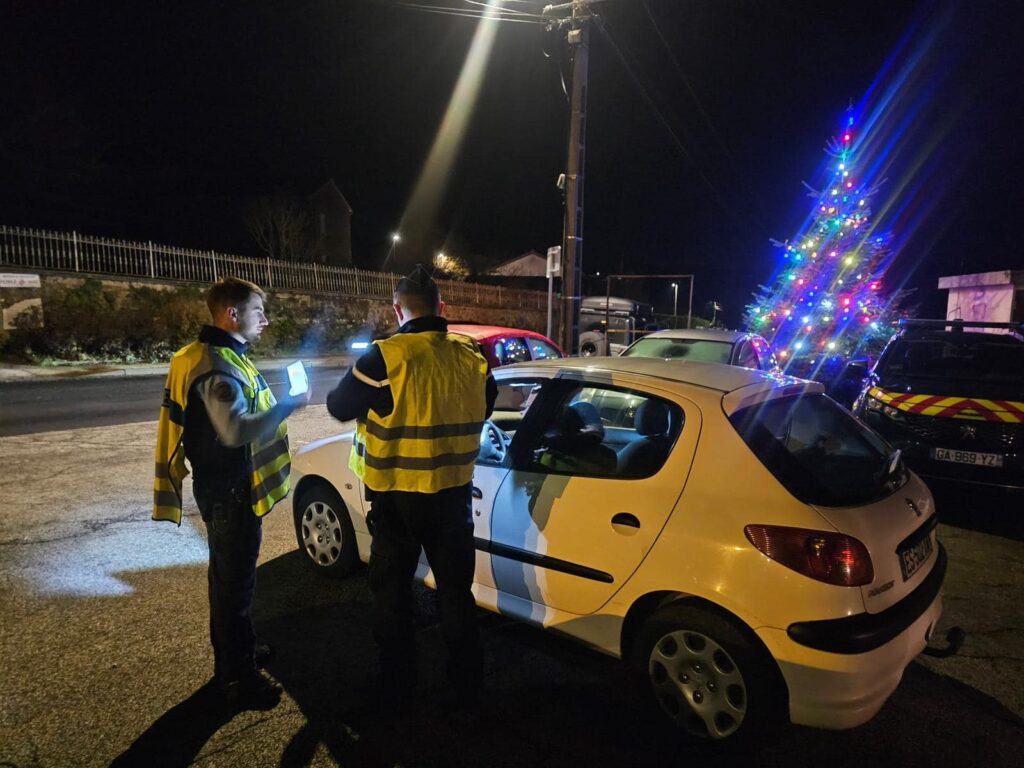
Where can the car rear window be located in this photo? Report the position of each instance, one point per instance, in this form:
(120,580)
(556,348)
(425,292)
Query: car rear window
(958,357)
(818,451)
(701,350)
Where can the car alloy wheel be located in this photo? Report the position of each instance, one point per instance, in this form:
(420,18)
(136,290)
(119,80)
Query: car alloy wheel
(323,530)
(711,678)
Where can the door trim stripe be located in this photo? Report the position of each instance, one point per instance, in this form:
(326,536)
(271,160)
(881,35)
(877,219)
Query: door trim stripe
(544,561)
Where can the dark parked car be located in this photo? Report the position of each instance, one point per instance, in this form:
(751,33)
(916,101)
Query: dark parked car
(950,395)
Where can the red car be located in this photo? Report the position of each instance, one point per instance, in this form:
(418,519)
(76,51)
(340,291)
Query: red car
(502,346)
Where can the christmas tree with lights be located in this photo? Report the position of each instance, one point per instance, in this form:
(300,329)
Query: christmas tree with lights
(826,302)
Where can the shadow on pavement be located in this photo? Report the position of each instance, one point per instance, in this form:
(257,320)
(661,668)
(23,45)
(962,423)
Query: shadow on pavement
(552,702)
(982,509)
(177,736)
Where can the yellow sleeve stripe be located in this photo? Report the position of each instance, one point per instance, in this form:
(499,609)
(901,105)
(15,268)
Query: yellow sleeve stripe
(367,380)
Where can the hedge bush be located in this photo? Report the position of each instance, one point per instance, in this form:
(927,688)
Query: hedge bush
(96,323)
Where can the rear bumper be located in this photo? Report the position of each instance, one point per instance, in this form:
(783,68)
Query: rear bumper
(867,631)
(844,689)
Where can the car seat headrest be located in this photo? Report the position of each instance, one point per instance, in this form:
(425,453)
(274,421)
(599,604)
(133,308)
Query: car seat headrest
(651,418)
(580,421)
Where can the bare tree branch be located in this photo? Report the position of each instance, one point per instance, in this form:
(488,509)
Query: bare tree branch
(282,228)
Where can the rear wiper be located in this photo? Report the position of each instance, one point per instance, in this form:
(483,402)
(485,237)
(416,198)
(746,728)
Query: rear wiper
(884,475)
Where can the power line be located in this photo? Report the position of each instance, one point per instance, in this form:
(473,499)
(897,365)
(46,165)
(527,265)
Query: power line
(490,14)
(487,6)
(686,82)
(649,100)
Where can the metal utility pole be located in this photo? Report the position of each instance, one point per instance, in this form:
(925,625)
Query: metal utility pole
(675,286)
(578,39)
(689,310)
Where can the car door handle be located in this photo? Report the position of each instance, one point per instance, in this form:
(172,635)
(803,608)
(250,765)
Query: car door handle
(477,493)
(624,518)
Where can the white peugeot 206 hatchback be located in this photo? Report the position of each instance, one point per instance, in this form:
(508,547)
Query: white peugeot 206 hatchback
(737,536)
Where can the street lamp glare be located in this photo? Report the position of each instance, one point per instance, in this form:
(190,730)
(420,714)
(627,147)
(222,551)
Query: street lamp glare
(395,237)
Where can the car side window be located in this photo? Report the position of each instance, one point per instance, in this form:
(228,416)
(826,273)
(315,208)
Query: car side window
(765,358)
(542,350)
(515,399)
(747,357)
(606,432)
(511,349)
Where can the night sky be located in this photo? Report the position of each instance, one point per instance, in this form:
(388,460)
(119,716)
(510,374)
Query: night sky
(160,121)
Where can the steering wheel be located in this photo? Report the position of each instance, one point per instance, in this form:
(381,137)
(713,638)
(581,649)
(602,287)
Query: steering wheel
(493,443)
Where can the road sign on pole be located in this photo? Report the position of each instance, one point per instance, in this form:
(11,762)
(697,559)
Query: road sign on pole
(554,268)
(554,261)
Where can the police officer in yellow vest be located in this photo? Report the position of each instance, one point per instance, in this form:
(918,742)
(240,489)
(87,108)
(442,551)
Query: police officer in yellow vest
(219,413)
(420,398)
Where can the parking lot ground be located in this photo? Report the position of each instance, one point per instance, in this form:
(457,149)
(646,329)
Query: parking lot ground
(104,651)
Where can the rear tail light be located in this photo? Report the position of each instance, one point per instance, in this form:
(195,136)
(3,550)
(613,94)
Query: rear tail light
(833,558)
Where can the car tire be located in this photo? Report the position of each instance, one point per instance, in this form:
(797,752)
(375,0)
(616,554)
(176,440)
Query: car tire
(708,677)
(588,349)
(323,531)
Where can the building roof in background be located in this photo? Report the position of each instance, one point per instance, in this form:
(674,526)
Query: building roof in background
(529,264)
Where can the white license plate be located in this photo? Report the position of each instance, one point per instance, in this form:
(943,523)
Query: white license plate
(914,556)
(968,457)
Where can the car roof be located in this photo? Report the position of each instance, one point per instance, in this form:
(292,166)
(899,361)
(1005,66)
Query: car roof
(970,337)
(479,332)
(723,378)
(705,334)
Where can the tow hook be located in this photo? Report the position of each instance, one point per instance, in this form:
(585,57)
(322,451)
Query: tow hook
(954,640)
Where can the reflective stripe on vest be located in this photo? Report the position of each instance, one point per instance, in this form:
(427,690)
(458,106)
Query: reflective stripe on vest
(431,438)
(270,458)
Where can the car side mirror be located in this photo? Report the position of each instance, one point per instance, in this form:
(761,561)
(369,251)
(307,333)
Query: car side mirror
(855,369)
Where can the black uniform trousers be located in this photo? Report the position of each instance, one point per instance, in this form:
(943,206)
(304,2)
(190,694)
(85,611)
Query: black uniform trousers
(442,524)
(234,535)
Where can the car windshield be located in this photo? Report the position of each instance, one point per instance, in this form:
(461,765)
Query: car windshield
(701,350)
(542,350)
(819,452)
(956,357)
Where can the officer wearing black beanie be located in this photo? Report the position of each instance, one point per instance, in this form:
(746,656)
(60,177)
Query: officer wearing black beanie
(420,399)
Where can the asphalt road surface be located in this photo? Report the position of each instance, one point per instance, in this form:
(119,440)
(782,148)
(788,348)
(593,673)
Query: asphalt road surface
(104,654)
(68,403)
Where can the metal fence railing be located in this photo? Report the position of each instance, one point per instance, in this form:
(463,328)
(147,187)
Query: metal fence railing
(74,252)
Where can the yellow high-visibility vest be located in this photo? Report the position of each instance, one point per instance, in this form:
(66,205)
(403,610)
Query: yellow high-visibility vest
(431,438)
(270,459)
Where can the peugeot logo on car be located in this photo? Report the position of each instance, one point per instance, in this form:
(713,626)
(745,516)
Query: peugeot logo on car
(968,431)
